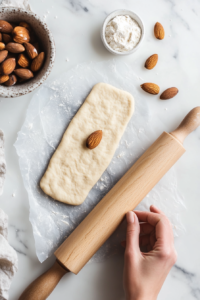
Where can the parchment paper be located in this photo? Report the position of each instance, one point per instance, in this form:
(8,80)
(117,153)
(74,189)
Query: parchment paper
(48,116)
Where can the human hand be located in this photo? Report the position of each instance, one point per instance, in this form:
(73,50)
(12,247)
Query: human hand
(145,272)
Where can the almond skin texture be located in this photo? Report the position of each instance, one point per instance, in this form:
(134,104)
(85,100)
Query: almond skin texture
(169,93)
(21,35)
(150,88)
(30,50)
(94,139)
(5,27)
(37,46)
(23,61)
(11,81)
(3,55)
(159,31)
(2,46)
(24,73)
(25,25)
(38,62)
(8,66)
(151,61)
(7,38)
(3,78)
(15,48)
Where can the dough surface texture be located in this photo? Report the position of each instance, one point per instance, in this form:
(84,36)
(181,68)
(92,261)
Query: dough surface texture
(74,169)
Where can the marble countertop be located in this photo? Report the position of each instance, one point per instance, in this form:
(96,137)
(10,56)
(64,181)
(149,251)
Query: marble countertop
(76,25)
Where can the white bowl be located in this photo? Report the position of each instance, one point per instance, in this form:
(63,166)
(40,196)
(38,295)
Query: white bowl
(121,12)
(46,40)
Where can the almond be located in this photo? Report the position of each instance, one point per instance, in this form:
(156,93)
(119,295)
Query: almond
(7,38)
(94,139)
(24,73)
(38,62)
(169,93)
(5,27)
(23,61)
(15,48)
(37,46)
(31,50)
(3,55)
(1,37)
(151,61)
(8,66)
(25,25)
(21,35)
(150,88)
(3,78)
(2,46)
(159,31)
(11,81)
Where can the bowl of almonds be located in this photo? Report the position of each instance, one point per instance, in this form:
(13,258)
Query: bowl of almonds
(27,52)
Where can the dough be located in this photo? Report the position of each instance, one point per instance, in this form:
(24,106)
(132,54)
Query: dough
(74,169)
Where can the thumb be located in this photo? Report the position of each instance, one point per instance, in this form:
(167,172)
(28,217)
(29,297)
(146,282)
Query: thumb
(132,232)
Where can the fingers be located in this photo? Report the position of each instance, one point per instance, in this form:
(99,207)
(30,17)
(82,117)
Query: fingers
(156,210)
(146,228)
(158,220)
(132,233)
(148,239)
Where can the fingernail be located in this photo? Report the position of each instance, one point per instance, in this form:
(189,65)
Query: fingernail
(130,217)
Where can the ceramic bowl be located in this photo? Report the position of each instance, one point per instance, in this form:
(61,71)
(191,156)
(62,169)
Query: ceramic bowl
(46,41)
(121,12)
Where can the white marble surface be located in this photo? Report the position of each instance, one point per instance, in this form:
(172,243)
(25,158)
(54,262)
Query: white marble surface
(76,28)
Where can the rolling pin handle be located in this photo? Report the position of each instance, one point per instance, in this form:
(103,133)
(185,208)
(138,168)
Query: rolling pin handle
(42,287)
(189,124)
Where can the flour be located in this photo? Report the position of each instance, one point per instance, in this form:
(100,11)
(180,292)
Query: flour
(2,163)
(8,258)
(122,33)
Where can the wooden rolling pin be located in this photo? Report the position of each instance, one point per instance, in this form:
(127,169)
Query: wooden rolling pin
(102,221)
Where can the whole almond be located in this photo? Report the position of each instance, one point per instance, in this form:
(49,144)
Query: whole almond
(2,46)
(11,81)
(15,48)
(94,139)
(23,60)
(24,73)
(8,66)
(31,50)
(7,38)
(5,27)
(150,88)
(159,31)
(37,62)
(21,35)
(25,25)
(3,78)
(3,55)
(37,46)
(151,61)
(169,93)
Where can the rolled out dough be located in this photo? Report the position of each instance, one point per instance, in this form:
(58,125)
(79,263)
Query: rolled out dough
(74,169)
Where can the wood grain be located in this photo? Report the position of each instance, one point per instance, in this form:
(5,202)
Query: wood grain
(189,124)
(42,287)
(98,226)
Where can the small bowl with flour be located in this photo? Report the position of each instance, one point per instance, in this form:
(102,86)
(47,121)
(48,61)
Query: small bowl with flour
(122,32)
